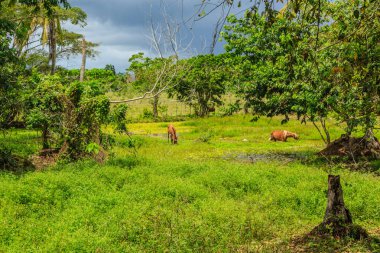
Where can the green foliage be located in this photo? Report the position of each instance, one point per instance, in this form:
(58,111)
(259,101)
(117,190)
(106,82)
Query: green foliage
(230,109)
(105,78)
(147,114)
(119,117)
(85,111)
(153,75)
(285,64)
(70,116)
(111,68)
(6,158)
(93,148)
(44,108)
(202,83)
(10,68)
(206,136)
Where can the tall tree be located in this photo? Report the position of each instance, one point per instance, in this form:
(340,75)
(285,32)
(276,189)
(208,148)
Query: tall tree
(34,19)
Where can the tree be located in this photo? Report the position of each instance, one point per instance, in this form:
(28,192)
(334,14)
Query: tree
(203,84)
(10,69)
(296,67)
(45,107)
(164,68)
(151,71)
(86,108)
(111,68)
(33,19)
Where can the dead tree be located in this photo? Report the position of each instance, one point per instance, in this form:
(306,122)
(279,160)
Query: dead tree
(165,40)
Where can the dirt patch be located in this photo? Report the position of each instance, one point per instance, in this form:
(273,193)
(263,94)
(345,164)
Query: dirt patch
(41,162)
(353,147)
(310,243)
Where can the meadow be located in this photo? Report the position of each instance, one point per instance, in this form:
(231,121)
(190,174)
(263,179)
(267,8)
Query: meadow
(223,188)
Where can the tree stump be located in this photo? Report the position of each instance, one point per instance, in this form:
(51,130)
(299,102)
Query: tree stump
(338,220)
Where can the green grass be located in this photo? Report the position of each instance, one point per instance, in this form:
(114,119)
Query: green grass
(192,197)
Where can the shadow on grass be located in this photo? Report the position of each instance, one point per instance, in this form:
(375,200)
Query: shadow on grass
(16,164)
(127,162)
(311,243)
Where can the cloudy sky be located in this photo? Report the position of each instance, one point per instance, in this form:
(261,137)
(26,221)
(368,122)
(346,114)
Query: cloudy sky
(122,27)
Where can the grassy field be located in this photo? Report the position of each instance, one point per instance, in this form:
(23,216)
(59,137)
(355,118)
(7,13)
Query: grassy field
(223,188)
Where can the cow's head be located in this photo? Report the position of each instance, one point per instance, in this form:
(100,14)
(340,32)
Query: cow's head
(296,136)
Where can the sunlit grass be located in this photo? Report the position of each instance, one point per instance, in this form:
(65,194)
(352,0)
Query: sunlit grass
(202,195)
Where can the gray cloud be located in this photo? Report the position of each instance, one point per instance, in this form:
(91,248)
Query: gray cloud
(122,28)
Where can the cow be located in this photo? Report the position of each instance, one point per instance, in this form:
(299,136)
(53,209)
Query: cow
(172,134)
(282,135)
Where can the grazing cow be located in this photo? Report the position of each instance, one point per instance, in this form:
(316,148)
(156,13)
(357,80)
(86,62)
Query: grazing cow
(172,134)
(282,135)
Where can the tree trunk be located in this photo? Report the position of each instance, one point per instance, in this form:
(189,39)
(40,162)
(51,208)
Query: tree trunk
(338,220)
(83,66)
(155,106)
(45,137)
(52,45)
(336,212)
(327,133)
(372,143)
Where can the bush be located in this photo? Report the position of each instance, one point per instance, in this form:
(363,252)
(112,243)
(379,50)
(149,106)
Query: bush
(206,137)
(231,109)
(147,114)
(119,118)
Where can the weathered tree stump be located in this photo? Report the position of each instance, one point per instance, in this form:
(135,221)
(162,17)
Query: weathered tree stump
(338,220)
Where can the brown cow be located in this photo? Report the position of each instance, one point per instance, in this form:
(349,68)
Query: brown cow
(172,134)
(282,135)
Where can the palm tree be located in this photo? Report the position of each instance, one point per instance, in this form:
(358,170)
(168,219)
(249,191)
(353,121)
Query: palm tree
(49,20)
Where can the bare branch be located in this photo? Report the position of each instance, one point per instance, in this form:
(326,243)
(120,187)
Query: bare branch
(144,96)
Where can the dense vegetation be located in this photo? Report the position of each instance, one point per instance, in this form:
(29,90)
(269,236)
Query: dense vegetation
(77,175)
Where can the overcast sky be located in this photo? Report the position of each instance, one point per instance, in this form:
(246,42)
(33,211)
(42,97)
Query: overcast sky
(122,29)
